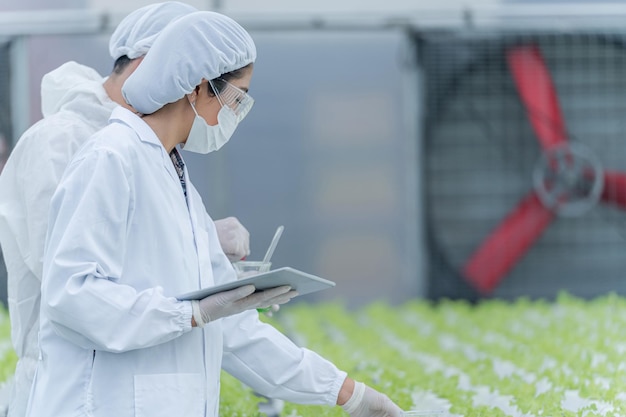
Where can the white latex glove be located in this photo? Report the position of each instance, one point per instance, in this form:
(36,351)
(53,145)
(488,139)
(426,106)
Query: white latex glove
(269,311)
(366,402)
(234,238)
(236,301)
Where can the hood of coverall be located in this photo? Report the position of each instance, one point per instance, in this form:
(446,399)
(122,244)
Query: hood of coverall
(75,87)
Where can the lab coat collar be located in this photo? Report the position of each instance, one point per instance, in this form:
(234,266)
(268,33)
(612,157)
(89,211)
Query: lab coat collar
(145,134)
(143,130)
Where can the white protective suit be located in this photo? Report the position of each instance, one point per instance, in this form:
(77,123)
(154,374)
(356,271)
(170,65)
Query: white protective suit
(123,242)
(75,105)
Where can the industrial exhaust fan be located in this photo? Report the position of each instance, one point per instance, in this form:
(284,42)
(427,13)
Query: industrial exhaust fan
(525,163)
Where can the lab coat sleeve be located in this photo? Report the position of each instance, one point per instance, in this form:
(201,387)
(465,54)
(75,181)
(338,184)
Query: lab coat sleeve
(85,250)
(265,359)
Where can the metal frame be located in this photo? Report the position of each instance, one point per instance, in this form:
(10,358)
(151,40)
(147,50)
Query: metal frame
(503,16)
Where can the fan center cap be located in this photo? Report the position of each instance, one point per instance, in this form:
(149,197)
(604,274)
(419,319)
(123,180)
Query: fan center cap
(568,179)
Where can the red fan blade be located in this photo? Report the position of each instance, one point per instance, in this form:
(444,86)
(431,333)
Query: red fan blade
(538,94)
(614,190)
(507,244)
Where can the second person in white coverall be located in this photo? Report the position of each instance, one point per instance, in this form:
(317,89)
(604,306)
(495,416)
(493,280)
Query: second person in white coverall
(128,232)
(76,102)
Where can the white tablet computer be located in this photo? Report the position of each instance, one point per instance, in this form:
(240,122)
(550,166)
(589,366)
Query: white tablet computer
(300,281)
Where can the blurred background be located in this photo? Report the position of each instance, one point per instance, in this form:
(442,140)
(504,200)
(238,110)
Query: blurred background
(461,149)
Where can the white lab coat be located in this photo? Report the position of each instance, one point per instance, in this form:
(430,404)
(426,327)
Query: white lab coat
(122,243)
(75,105)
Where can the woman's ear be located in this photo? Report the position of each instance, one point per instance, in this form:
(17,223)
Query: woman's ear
(193,96)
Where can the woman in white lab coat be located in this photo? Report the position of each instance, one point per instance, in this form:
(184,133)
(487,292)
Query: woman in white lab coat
(128,232)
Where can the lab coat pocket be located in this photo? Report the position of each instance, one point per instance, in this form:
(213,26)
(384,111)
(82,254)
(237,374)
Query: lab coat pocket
(169,395)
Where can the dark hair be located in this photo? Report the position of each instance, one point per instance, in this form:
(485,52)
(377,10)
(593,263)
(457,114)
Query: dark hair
(219,81)
(120,64)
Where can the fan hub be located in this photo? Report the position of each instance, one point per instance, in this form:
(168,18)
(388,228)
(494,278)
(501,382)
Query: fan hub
(568,179)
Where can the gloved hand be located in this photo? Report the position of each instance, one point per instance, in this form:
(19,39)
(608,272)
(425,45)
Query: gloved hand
(235,301)
(366,402)
(269,311)
(234,238)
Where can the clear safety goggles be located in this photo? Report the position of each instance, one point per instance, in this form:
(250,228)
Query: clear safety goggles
(235,98)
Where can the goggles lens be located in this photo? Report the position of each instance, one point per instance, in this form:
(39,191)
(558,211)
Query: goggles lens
(235,98)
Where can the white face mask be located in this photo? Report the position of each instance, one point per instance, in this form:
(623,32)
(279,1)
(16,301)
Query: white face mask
(204,138)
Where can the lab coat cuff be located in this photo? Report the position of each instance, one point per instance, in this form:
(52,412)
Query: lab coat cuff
(186,316)
(334,392)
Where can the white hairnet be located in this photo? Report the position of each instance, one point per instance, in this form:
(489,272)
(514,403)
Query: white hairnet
(137,32)
(199,45)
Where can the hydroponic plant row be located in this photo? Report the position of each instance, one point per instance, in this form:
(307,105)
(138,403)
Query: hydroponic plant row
(520,359)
